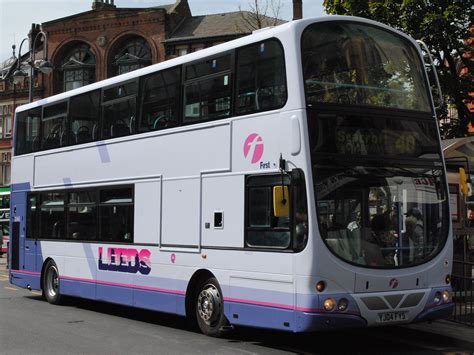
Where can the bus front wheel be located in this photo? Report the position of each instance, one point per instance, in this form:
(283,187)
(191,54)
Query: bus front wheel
(51,283)
(210,308)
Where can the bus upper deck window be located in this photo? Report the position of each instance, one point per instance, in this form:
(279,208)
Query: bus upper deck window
(261,77)
(54,126)
(84,111)
(28,131)
(160,100)
(119,110)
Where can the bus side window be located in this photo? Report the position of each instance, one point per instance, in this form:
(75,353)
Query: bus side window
(52,215)
(208,90)
(84,115)
(32,222)
(82,215)
(119,110)
(54,126)
(261,78)
(28,131)
(160,100)
(263,228)
(116,215)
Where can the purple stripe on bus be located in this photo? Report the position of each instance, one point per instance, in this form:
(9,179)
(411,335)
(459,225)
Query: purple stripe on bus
(148,288)
(26,272)
(103,152)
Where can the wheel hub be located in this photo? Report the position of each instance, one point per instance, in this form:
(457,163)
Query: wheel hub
(52,282)
(209,304)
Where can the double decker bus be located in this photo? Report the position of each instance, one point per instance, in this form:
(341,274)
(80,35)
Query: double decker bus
(291,179)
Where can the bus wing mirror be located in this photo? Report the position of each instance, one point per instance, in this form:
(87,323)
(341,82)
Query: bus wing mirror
(281,204)
(463,182)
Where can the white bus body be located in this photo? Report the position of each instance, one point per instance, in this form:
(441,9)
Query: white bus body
(189,188)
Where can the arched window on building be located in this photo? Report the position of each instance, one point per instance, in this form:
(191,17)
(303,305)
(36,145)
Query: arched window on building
(78,67)
(129,54)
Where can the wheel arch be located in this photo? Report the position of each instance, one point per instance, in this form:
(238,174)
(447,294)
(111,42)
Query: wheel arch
(198,276)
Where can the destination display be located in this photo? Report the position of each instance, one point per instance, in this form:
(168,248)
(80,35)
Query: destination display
(361,141)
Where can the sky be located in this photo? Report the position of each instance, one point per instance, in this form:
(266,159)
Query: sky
(16,16)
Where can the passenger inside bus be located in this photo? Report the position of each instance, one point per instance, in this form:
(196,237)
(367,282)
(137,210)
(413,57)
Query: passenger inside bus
(373,246)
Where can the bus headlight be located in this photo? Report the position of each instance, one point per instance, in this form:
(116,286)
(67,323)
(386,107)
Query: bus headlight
(342,304)
(329,304)
(438,297)
(446,296)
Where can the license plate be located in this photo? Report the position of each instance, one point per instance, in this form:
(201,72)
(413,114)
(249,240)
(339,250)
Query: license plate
(389,317)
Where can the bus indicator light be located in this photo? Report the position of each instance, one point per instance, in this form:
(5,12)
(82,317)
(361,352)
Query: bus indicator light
(320,286)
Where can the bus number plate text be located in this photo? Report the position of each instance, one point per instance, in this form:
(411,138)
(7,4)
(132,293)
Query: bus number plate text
(389,317)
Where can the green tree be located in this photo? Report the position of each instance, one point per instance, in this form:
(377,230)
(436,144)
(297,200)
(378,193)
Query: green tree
(447,27)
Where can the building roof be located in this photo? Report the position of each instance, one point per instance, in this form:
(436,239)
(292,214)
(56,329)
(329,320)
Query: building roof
(92,14)
(165,7)
(7,66)
(217,25)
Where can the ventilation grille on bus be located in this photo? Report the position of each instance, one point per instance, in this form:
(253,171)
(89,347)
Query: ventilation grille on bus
(376,303)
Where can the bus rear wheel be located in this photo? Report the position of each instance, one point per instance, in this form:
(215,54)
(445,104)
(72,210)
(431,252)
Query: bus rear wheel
(209,305)
(51,283)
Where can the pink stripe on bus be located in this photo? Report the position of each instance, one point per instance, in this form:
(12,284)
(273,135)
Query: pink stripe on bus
(260,303)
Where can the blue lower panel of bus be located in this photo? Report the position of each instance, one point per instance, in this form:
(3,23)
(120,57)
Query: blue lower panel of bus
(78,288)
(307,322)
(126,295)
(25,279)
(159,301)
(287,319)
(115,294)
(443,311)
(260,316)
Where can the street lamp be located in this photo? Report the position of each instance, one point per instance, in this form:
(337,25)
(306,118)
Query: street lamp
(43,66)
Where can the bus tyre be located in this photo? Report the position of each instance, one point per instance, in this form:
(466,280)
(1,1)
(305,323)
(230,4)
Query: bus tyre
(51,283)
(210,308)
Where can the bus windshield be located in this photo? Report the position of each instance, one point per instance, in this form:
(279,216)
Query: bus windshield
(358,64)
(378,174)
(381,216)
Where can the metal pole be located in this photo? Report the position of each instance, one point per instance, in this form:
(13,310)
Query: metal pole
(32,59)
(30,86)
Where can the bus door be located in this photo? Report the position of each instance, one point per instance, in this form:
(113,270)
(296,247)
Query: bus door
(23,250)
